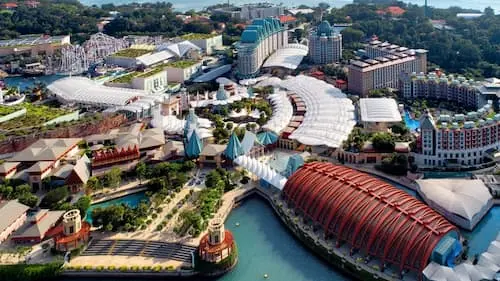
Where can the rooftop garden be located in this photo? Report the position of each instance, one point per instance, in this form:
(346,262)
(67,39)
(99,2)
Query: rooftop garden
(6,110)
(151,72)
(131,53)
(197,36)
(36,115)
(182,63)
(127,78)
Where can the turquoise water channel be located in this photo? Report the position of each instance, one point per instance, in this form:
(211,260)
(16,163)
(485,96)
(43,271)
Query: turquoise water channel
(411,123)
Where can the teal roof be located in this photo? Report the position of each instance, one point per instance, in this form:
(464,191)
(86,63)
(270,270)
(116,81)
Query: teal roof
(221,93)
(250,92)
(193,148)
(234,148)
(324,29)
(191,122)
(267,138)
(259,29)
(294,163)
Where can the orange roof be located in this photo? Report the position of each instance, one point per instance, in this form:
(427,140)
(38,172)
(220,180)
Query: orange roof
(287,18)
(395,10)
(9,5)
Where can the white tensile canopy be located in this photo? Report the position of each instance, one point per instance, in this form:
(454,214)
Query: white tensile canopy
(282,112)
(261,170)
(329,117)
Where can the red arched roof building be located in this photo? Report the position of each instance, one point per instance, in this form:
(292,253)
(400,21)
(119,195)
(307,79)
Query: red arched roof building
(368,214)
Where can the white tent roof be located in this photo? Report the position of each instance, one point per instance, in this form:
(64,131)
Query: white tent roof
(212,74)
(329,116)
(178,49)
(379,110)
(85,91)
(282,112)
(261,170)
(248,141)
(463,197)
(150,59)
(289,57)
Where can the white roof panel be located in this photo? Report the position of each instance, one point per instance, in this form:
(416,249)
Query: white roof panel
(379,110)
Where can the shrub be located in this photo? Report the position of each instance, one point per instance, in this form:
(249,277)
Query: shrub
(159,227)
(159,209)
(177,189)
(78,267)
(170,268)
(169,216)
(99,268)
(154,216)
(148,222)
(157,268)
(123,268)
(87,267)
(143,227)
(111,267)
(174,211)
(169,200)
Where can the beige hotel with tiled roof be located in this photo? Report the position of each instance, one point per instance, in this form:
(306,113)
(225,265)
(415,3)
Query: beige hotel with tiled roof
(382,69)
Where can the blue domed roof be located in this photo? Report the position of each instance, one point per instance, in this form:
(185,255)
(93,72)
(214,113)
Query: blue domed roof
(324,29)
(259,29)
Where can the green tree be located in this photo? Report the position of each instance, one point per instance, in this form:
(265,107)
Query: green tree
(383,142)
(93,184)
(141,171)
(83,204)
(351,36)
(28,199)
(113,177)
(212,178)
(53,197)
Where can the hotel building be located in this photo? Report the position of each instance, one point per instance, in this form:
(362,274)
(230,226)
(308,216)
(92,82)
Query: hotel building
(385,64)
(261,10)
(325,46)
(258,41)
(468,140)
(439,86)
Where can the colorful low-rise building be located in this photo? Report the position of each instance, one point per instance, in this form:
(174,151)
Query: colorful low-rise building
(37,226)
(218,244)
(13,216)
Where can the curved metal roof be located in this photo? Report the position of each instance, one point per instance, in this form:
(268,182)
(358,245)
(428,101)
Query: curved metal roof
(367,213)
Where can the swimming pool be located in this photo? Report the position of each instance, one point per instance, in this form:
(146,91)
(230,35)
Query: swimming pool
(131,200)
(411,123)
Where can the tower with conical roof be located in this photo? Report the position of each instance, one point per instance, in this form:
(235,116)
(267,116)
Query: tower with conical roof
(221,93)
(193,147)
(325,45)
(234,148)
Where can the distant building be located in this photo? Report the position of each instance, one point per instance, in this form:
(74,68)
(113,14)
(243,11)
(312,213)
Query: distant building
(71,233)
(13,216)
(384,66)
(33,45)
(260,11)
(394,11)
(325,46)
(469,16)
(259,40)
(435,85)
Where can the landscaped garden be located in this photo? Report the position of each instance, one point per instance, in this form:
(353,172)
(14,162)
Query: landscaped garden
(131,53)
(6,110)
(182,63)
(127,78)
(36,115)
(197,36)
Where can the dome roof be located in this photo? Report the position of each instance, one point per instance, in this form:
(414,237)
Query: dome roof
(324,29)
(367,213)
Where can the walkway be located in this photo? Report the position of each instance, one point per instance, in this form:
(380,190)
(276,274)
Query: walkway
(131,187)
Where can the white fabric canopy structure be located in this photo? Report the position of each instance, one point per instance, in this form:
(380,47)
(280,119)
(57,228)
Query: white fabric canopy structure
(150,59)
(463,197)
(379,110)
(486,268)
(253,81)
(329,117)
(282,112)
(241,92)
(82,90)
(289,57)
(179,49)
(269,81)
(212,74)
(261,170)
(173,125)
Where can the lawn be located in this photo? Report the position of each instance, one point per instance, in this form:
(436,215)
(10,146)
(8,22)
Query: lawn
(151,73)
(6,110)
(182,63)
(131,53)
(36,115)
(197,36)
(127,78)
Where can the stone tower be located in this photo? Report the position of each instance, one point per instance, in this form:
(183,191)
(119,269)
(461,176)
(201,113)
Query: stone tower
(72,222)
(215,231)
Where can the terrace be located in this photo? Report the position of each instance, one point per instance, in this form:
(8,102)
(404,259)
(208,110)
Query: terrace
(131,53)
(198,36)
(182,63)
(36,115)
